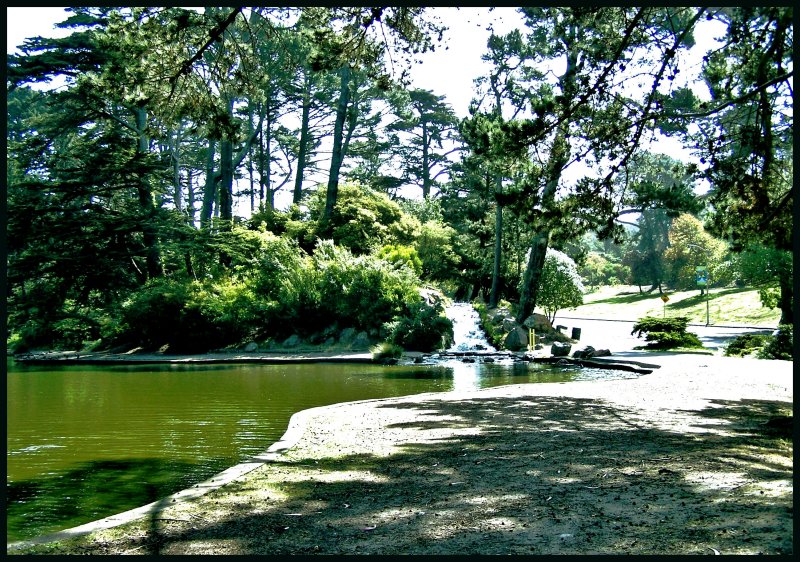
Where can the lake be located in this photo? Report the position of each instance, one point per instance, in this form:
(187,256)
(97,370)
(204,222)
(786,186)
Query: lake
(86,442)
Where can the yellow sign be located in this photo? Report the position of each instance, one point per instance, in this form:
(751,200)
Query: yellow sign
(664,298)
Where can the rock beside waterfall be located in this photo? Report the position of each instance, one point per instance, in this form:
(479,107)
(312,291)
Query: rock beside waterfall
(560,349)
(516,340)
(538,322)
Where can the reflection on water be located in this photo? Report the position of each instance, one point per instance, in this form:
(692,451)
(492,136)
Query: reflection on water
(85,442)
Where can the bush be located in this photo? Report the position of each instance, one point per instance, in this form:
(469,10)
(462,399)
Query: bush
(665,333)
(746,344)
(423,328)
(364,291)
(781,345)
(400,255)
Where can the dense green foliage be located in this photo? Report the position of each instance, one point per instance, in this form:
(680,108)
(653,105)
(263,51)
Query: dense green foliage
(561,286)
(665,333)
(125,185)
(764,346)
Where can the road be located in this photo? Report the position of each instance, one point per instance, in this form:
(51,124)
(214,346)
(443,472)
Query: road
(615,335)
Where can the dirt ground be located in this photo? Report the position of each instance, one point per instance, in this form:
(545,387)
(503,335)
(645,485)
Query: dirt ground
(695,458)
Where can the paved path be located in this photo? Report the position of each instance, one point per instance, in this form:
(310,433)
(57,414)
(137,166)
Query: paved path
(615,335)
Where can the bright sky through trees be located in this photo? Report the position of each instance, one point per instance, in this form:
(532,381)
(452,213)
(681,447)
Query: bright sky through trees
(449,71)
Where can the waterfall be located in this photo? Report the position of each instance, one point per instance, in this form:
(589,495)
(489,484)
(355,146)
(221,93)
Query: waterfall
(467,332)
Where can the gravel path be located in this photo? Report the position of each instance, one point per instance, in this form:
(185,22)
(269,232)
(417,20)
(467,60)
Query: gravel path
(695,458)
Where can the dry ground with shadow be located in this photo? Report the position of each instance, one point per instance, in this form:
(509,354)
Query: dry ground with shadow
(693,459)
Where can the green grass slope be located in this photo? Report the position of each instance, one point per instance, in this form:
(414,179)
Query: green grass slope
(728,306)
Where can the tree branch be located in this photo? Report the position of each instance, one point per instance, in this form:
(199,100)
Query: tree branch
(213,35)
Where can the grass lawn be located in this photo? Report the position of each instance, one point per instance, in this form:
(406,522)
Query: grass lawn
(727,306)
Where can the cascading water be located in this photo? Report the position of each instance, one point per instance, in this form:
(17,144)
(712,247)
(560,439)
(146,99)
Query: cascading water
(467,332)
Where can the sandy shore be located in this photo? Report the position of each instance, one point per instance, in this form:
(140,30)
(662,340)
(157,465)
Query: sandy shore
(695,458)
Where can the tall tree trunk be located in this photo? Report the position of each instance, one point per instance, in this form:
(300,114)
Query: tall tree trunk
(337,155)
(426,173)
(302,154)
(209,191)
(226,173)
(498,245)
(153,256)
(190,196)
(559,156)
(176,169)
(261,182)
(250,167)
(267,162)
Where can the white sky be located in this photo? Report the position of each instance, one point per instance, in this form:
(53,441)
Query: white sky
(450,72)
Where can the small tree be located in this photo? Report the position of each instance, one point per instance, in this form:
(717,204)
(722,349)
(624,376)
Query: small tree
(561,285)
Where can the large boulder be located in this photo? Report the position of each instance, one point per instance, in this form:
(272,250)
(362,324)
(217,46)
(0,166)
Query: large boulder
(292,341)
(585,353)
(251,347)
(347,336)
(516,339)
(361,340)
(538,322)
(509,324)
(560,349)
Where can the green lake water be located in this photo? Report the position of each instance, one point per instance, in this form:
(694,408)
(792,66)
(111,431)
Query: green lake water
(85,442)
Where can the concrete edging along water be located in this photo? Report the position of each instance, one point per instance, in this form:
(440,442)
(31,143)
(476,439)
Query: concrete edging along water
(77,358)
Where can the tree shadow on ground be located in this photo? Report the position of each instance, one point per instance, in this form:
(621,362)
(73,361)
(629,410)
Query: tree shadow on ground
(686,302)
(544,475)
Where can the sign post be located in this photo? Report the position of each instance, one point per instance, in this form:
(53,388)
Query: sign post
(665,298)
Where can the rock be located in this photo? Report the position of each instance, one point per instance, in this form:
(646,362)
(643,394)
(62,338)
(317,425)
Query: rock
(601,353)
(560,349)
(292,341)
(362,339)
(576,333)
(419,359)
(347,336)
(561,328)
(585,353)
(489,360)
(251,347)
(467,360)
(538,346)
(509,324)
(538,322)
(516,340)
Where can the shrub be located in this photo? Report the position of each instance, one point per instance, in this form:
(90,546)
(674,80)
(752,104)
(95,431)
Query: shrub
(363,291)
(781,345)
(423,328)
(665,333)
(560,285)
(400,255)
(746,344)
(386,350)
